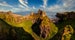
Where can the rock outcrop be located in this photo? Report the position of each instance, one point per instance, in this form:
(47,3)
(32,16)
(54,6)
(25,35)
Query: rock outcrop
(66,15)
(67,34)
(36,23)
(65,18)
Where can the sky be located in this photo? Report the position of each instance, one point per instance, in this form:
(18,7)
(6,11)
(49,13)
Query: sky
(34,5)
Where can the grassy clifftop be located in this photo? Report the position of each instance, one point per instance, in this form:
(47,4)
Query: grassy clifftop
(8,32)
(37,25)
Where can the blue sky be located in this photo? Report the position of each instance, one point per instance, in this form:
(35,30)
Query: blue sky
(34,5)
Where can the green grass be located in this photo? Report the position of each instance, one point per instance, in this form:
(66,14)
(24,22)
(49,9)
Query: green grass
(27,26)
(62,24)
(7,31)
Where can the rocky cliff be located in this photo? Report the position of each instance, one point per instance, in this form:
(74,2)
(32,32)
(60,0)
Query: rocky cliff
(66,26)
(36,25)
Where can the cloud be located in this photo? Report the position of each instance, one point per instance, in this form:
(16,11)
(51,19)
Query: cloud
(21,6)
(4,10)
(67,5)
(24,3)
(17,9)
(44,3)
(56,8)
(34,7)
(5,4)
(25,6)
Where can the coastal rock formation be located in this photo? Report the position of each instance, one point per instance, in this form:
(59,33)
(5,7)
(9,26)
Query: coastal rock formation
(35,23)
(66,15)
(67,34)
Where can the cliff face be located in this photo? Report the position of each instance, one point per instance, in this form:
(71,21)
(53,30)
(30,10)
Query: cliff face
(66,15)
(35,23)
(66,26)
(45,25)
(66,18)
(37,26)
